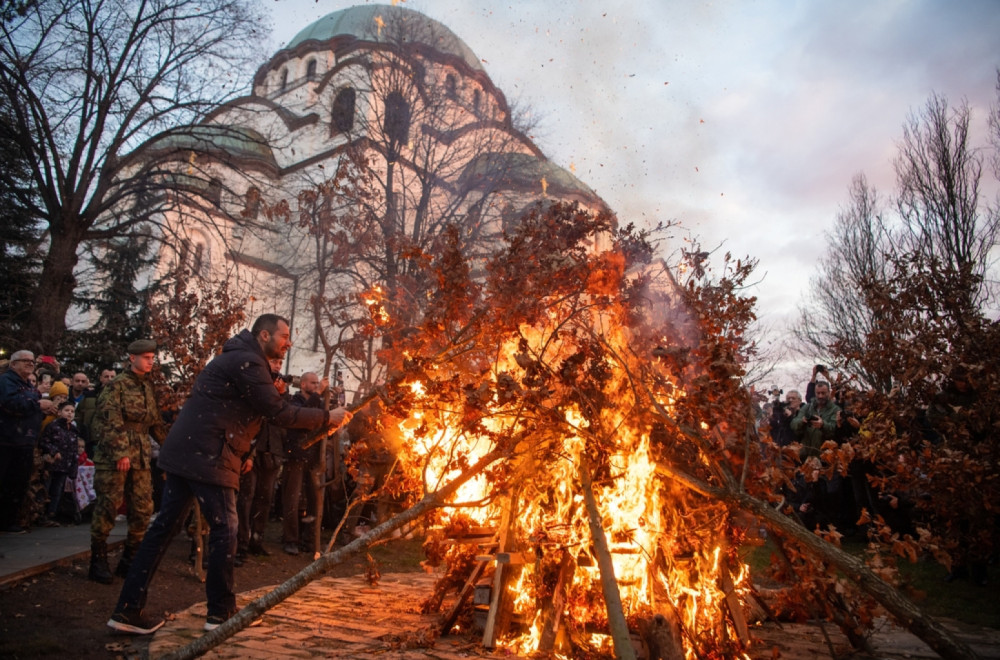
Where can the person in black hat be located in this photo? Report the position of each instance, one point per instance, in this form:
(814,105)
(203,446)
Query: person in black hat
(127,414)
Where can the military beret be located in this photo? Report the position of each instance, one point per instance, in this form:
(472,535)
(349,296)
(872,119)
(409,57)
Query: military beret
(140,346)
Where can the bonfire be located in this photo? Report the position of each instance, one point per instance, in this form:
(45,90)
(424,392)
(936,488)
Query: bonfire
(572,427)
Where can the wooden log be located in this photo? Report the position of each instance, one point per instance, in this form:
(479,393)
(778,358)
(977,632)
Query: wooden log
(552,616)
(906,613)
(318,568)
(609,586)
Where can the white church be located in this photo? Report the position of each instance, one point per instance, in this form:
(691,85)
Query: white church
(370,132)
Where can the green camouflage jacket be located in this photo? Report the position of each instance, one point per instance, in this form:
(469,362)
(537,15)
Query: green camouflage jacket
(127,415)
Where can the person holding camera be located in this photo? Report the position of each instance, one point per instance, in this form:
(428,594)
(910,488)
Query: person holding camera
(816,421)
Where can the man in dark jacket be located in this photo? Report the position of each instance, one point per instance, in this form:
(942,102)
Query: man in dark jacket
(302,468)
(253,505)
(21,413)
(203,457)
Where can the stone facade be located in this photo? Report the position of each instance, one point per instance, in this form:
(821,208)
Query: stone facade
(391,89)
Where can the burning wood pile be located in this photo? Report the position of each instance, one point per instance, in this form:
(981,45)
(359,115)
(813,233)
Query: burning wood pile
(571,375)
(578,440)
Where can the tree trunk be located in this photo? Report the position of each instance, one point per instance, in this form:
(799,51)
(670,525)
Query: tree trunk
(901,608)
(52,297)
(609,584)
(316,569)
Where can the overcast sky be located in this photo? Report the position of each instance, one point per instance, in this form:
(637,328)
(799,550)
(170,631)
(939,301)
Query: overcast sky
(745,121)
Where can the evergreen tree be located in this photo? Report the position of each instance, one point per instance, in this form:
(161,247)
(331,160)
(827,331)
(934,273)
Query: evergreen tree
(118,294)
(21,240)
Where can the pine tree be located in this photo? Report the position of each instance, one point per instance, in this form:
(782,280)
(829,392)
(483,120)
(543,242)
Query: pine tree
(21,240)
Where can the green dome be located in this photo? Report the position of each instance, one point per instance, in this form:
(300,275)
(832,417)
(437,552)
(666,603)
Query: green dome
(524,172)
(361,22)
(221,141)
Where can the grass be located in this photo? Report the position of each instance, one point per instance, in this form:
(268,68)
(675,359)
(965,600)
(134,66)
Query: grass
(923,582)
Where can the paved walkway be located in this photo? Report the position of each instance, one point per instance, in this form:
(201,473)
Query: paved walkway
(347,618)
(42,548)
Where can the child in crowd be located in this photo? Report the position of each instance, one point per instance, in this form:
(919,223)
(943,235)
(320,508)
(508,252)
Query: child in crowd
(57,394)
(59,444)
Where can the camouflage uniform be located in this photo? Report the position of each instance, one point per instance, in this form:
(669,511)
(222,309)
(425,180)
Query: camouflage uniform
(127,415)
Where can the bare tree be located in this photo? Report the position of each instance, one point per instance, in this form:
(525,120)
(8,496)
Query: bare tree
(941,222)
(938,173)
(837,319)
(87,81)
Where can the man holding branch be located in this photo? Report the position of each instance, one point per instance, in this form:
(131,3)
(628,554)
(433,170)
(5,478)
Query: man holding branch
(203,457)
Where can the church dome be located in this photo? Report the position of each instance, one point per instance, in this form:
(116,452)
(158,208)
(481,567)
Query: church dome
(365,22)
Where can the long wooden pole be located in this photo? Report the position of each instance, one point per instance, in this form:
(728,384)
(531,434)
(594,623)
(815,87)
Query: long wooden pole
(315,570)
(609,584)
(905,612)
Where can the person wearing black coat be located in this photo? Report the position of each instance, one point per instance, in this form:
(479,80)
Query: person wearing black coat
(21,413)
(206,451)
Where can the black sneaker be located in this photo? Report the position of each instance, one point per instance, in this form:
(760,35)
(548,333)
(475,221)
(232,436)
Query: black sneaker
(213,622)
(134,623)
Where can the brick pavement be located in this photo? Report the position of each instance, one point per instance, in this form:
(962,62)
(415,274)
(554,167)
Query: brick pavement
(347,618)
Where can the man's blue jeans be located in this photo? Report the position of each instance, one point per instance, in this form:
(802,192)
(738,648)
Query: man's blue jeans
(218,506)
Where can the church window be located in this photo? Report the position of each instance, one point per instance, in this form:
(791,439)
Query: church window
(214,192)
(284,79)
(397,119)
(450,86)
(342,113)
(310,69)
(476,99)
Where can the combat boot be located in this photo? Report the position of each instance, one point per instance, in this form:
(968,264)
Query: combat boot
(99,569)
(128,552)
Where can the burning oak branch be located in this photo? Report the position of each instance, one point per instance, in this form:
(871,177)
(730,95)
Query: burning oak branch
(577,430)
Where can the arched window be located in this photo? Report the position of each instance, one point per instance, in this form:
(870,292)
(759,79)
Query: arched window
(284,79)
(310,69)
(214,192)
(450,86)
(397,120)
(476,99)
(342,113)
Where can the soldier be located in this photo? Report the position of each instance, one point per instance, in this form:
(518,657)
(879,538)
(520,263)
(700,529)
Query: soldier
(126,416)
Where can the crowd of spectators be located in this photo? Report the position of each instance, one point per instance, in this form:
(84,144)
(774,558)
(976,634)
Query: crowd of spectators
(48,441)
(45,417)
(833,489)
(830,412)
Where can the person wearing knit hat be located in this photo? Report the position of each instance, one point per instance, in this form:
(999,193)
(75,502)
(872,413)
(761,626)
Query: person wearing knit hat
(58,393)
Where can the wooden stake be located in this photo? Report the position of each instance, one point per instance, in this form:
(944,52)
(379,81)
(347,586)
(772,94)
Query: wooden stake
(609,584)
(500,601)
(552,616)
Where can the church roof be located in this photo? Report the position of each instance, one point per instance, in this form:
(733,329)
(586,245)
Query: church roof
(363,22)
(525,172)
(221,141)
